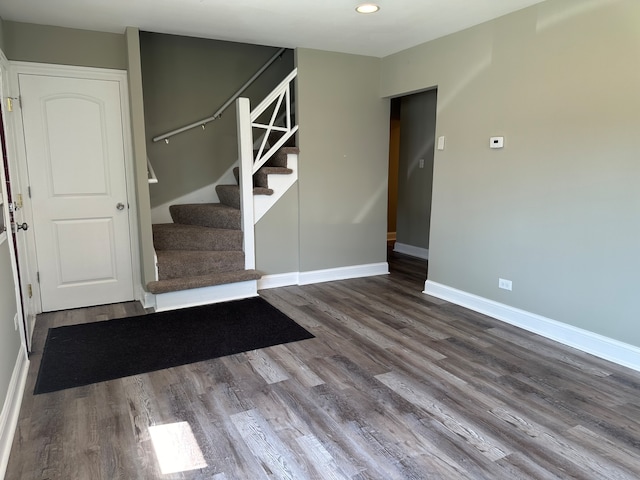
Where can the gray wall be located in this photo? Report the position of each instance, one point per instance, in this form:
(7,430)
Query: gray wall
(417,130)
(9,336)
(277,249)
(343,140)
(186,79)
(65,46)
(556,210)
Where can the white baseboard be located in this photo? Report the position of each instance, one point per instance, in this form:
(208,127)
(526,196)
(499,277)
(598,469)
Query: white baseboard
(147,299)
(278,280)
(236,291)
(11,409)
(411,250)
(205,295)
(343,273)
(584,340)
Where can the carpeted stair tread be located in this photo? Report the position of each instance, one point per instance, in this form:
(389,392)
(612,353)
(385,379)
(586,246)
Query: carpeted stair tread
(230,194)
(280,157)
(214,215)
(188,263)
(186,283)
(261,177)
(175,236)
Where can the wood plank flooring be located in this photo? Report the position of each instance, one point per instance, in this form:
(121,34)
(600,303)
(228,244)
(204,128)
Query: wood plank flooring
(396,385)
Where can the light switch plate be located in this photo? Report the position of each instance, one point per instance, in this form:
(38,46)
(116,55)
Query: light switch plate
(496,142)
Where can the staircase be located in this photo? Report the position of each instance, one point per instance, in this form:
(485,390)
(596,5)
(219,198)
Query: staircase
(204,245)
(207,254)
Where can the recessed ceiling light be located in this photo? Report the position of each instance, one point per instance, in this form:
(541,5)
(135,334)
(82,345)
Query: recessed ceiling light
(367,8)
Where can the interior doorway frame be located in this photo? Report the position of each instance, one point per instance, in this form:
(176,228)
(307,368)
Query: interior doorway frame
(20,174)
(5,95)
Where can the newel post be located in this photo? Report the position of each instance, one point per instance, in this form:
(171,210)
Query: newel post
(245,153)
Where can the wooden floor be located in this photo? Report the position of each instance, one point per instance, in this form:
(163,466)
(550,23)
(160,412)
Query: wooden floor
(396,384)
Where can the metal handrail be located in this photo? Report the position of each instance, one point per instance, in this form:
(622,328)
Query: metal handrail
(226,104)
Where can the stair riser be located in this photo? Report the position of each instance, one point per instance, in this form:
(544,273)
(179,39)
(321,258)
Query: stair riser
(226,218)
(198,263)
(214,239)
(229,195)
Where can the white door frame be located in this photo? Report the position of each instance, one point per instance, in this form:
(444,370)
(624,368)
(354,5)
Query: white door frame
(89,73)
(25,340)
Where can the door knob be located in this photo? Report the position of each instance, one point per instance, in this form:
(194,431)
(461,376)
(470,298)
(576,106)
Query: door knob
(17,227)
(120,206)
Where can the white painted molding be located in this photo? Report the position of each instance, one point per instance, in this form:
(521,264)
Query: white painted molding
(205,295)
(411,250)
(584,340)
(343,273)
(147,299)
(278,280)
(11,409)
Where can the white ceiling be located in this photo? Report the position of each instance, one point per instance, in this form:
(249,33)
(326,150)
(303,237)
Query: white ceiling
(321,24)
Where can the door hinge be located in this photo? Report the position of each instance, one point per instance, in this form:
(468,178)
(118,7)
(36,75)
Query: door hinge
(30,290)
(17,205)
(10,101)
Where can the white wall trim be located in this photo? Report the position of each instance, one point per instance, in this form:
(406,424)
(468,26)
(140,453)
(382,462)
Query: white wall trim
(205,295)
(11,409)
(411,250)
(147,299)
(343,273)
(278,280)
(584,340)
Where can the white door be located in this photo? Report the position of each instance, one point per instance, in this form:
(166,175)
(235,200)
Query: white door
(73,133)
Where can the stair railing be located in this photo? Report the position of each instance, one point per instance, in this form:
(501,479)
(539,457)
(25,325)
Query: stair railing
(218,113)
(279,94)
(249,164)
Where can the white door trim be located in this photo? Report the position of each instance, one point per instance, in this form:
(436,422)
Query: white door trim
(25,340)
(91,73)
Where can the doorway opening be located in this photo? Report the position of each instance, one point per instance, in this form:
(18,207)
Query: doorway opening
(412,130)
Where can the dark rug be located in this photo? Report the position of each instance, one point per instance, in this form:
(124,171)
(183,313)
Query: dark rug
(78,355)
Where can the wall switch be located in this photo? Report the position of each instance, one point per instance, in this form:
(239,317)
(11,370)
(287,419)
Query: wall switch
(421,164)
(441,143)
(504,284)
(496,142)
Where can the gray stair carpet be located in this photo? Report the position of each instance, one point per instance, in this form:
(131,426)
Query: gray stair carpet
(203,247)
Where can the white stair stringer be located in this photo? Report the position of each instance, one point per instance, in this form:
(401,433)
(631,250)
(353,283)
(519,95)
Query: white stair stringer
(279,184)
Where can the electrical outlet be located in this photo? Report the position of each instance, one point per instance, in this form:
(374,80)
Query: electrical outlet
(504,284)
